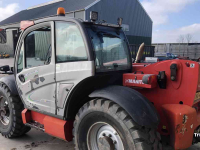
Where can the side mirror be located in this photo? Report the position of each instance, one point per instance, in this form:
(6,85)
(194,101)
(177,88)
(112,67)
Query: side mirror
(5,68)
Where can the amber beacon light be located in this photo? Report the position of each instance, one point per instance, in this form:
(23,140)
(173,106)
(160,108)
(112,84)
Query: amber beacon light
(61,11)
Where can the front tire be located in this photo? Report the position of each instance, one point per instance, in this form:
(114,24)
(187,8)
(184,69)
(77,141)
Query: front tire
(102,124)
(11,108)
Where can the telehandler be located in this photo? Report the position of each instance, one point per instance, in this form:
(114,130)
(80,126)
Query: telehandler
(75,80)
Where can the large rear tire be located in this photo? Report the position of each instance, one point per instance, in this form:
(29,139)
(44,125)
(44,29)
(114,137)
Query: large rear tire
(11,124)
(102,124)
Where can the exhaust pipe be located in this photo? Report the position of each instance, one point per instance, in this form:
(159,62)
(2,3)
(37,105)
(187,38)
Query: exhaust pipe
(140,53)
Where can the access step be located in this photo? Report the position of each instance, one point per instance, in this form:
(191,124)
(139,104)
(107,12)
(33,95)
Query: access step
(50,125)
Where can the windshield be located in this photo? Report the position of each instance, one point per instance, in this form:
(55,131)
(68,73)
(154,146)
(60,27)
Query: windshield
(111,48)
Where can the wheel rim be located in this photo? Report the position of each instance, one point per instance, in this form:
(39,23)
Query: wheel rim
(103,136)
(4,111)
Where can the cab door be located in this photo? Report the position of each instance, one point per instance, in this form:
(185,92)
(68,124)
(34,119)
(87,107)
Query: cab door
(72,60)
(35,68)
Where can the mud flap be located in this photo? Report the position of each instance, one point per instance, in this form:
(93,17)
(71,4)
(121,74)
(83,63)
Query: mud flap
(135,104)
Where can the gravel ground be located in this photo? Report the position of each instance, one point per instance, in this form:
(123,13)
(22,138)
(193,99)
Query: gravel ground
(37,140)
(7,61)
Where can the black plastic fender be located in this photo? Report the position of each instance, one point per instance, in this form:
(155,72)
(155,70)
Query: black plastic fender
(136,105)
(10,82)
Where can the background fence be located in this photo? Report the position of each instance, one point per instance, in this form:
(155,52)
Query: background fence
(191,50)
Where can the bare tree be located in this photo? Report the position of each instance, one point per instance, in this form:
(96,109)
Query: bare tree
(188,38)
(181,39)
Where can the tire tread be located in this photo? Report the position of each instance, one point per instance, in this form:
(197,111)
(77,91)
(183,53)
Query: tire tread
(144,139)
(17,127)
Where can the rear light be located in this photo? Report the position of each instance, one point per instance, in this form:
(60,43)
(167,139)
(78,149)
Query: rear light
(187,64)
(150,78)
(158,60)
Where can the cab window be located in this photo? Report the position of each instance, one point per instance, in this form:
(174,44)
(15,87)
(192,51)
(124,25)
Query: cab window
(20,61)
(69,43)
(38,47)
(3,37)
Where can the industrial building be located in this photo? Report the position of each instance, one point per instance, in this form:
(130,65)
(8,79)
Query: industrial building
(136,22)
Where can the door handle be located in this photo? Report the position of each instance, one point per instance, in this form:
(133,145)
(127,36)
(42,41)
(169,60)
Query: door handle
(22,78)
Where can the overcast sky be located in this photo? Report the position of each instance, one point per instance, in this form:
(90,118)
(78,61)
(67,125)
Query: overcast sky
(171,18)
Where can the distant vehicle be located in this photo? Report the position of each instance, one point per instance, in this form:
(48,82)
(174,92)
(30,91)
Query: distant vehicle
(4,55)
(166,56)
(156,59)
(151,59)
(172,56)
(162,58)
